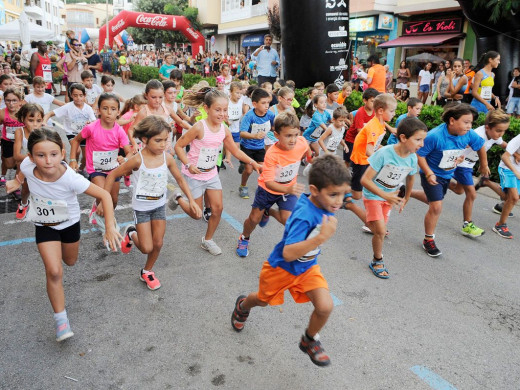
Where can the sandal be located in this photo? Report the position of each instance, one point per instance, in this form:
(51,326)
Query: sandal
(378,271)
(239,316)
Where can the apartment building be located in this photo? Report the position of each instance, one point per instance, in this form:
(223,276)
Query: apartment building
(46,13)
(82,15)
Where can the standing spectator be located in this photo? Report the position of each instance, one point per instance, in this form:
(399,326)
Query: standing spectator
(93,58)
(376,76)
(41,65)
(469,72)
(403,77)
(267,61)
(389,78)
(167,67)
(513,105)
(355,67)
(441,87)
(483,83)
(106,56)
(424,83)
(440,71)
(75,62)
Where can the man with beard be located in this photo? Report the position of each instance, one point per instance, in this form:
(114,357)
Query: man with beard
(93,58)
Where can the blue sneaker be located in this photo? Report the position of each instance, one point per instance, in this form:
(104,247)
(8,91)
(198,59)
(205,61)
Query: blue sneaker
(265,219)
(242,247)
(63,330)
(243,192)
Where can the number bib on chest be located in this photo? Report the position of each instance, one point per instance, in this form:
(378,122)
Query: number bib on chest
(486,92)
(311,255)
(105,161)
(78,125)
(234,113)
(151,186)
(285,174)
(449,159)
(390,176)
(48,212)
(260,128)
(207,159)
(9,131)
(47,74)
(333,143)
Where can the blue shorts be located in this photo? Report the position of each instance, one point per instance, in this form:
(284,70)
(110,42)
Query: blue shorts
(464,176)
(479,106)
(424,88)
(158,213)
(264,200)
(508,179)
(104,174)
(436,192)
(513,106)
(236,136)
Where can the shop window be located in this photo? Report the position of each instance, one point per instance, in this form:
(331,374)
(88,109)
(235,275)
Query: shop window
(446,52)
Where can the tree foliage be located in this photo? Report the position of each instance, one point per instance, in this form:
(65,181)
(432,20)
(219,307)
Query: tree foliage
(165,7)
(273,18)
(499,8)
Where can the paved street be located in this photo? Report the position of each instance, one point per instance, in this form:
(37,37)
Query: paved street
(450,321)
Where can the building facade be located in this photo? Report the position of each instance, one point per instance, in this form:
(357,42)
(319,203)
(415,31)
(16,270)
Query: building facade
(46,13)
(82,15)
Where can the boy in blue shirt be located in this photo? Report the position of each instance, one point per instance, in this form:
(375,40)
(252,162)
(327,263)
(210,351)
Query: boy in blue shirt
(253,129)
(388,168)
(414,107)
(292,264)
(443,150)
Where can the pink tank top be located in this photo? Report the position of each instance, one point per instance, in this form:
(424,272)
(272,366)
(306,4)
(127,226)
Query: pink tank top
(9,127)
(204,153)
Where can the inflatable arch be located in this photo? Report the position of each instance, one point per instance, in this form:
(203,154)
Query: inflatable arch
(156,21)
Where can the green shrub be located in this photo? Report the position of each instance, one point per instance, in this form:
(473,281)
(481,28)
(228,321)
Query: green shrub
(354,101)
(143,74)
(300,94)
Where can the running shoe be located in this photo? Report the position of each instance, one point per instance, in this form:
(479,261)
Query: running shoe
(2,181)
(173,202)
(63,330)
(127,243)
(21,211)
(430,248)
(91,215)
(151,281)
(265,218)
(239,316)
(502,231)
(480,183)
(128,182)
(470,230)
(206,214)
(497,209)
(243,192)
(211,247)
(242,247)
(315,350)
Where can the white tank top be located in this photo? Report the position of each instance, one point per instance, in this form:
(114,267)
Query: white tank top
(149,186)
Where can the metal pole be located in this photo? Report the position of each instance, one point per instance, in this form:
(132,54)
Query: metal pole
(106,39)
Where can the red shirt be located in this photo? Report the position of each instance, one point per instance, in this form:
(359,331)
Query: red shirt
(360,120)
(44,69)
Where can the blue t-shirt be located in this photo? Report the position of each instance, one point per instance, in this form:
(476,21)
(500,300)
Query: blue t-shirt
(166,70)
(254,124)
(393,139)
(391,169)
(304,222)
(317,119)
(441,149)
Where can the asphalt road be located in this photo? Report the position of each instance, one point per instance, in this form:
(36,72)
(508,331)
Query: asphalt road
(447,323)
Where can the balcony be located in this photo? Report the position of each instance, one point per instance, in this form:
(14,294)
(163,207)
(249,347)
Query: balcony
(61,4)
(33,9)
(245,12)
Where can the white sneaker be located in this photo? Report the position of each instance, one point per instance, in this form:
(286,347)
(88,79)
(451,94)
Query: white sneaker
(211,247)
(307,169)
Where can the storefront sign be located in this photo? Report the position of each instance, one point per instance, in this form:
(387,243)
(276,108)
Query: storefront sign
(385,22)
(439,26)
(362,24)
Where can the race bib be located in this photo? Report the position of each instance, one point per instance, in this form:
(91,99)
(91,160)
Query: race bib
(311,255)
(78,125)
(391,176)
(333,144)
(48,212)
(151,186)
(234,113)
(449,159)
(485,92)
(284,175)
(47,74)
(207,159)
(379,140)
(91,96)
(317,132)
(470,156)
(260,128)
(105,161)
(9,131)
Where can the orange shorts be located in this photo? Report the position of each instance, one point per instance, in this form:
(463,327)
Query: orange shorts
(274,282)
(377,210)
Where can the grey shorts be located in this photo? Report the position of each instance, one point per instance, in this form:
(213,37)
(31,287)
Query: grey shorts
(151,215)
(199,187)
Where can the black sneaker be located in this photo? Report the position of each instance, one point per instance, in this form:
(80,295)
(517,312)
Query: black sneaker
(430,248)
(480,183)
(206,214)
(502,231)
(315,350)
(497,209)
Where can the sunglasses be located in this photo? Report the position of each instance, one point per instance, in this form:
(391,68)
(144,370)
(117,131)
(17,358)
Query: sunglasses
(77,44)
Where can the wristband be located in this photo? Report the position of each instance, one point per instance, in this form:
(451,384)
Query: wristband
(72,159)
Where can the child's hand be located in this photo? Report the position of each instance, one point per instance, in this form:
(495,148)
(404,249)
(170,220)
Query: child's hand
(121,160)
(484,171)
(257,167)
(228,162)
(194,170)
(260,135)
(11,185)
(345,148)
(392,198)
(195,209)
(73,165)
(459,160)
(404,201)
(328,227)
(432,179)
(296,189)
(112,237)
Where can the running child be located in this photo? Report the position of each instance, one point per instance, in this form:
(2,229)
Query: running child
(205,139)
(31,115)
(253,129)
(333,136)
(13,100)
(6,82)
(363,115)
(226,74)
(388,168)
(305,120)
(332,92)
(39,96)
(91,88)
(414,107)
(278,182)
(497,122)
(442,151)
(319,122)
(149,169)
(235,114)
(103,139)
(285,98)
(108,83)
(292,264)
(346,91)
(56,214)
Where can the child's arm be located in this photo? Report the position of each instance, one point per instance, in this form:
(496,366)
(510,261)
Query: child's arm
(235,151)
(483,165)
(367,181)
(369,149)
(177,119)
(391,129)
(48,116)
(344,145)
(294,251)
(58,103)
(74,146)
(14,184)
(123,170)
(409,188)
(195,132)
(430,176)
(182,114)
(507,161)
(140,116)
(122,121)
(174,170)
(322,139)
(18,135)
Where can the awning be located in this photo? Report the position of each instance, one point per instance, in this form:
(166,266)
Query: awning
(253,40)
(420,40)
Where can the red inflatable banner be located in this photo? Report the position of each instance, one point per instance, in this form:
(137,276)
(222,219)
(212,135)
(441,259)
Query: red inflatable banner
(159,22)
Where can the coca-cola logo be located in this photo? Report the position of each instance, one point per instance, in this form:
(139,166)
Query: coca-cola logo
(192,32)
(152,21)
(118,25)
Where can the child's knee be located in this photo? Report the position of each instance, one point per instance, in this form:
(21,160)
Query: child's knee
(324,307)
(157,242)
(54,274)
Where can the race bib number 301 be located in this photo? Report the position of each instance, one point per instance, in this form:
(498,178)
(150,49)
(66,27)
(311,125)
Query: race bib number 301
(47,212)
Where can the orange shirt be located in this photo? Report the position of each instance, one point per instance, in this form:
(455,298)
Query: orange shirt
(341,98)
(377,73)
(281,165)
(372,133)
